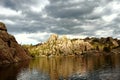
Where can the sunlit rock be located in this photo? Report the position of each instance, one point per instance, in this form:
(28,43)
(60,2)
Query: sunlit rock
(61,46)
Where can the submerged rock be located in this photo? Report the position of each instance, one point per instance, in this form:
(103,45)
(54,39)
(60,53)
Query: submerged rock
(10,50)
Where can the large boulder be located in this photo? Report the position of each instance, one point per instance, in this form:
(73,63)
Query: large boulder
(10,50)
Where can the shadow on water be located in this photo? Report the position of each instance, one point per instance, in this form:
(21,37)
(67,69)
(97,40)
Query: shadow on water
(10,71)
(105,67)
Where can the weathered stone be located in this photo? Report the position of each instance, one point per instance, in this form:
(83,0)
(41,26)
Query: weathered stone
(3,27)
(53,37)
(10,50)
(4,36)
(64,46)
(104,44)
(60,46)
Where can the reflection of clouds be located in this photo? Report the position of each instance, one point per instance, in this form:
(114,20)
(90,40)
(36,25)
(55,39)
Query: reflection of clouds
(33,74)
(110,74)
(101,74)
(78,76)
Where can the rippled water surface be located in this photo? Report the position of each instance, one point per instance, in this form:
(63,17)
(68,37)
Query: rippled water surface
(64,68)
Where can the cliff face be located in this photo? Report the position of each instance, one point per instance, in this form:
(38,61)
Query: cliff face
(10,50)
(60,46)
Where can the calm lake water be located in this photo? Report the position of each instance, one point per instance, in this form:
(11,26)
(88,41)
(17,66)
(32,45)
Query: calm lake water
(64,68)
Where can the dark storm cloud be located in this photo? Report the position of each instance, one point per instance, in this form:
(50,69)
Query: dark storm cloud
(70,17)
(83,11)
(66,9)
(17,4)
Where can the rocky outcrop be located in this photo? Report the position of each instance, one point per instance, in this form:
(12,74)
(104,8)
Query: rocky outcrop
(10,50)
(103,44)
(56,46)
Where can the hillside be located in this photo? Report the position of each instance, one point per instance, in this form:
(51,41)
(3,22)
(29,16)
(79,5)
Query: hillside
(10,50)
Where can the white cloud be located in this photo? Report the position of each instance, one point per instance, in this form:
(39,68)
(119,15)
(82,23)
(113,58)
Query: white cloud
(104,33)
(88,27)
(115,6)
(24,39)
(98,10)
(36,8)
(44,16)
(7,21)
(39,6)
(9,12)
(76,1)
(32,38)
(75,36)
(109,18)
(76,20)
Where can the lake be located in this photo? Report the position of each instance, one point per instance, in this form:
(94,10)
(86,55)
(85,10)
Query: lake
(104,67)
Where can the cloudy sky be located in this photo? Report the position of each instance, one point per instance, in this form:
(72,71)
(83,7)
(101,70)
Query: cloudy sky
(33,21)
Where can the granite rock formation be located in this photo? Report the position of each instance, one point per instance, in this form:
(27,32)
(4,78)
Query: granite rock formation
(56,46)
(103,44)
(10,50)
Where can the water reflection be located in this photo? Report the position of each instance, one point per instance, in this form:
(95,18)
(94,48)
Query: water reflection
(10,71)
(104,67)
(72,68)
(32,75)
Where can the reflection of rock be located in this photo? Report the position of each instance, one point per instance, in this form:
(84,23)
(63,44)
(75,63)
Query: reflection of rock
(10,72)
(10,50)
(79,67)
(116,50)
